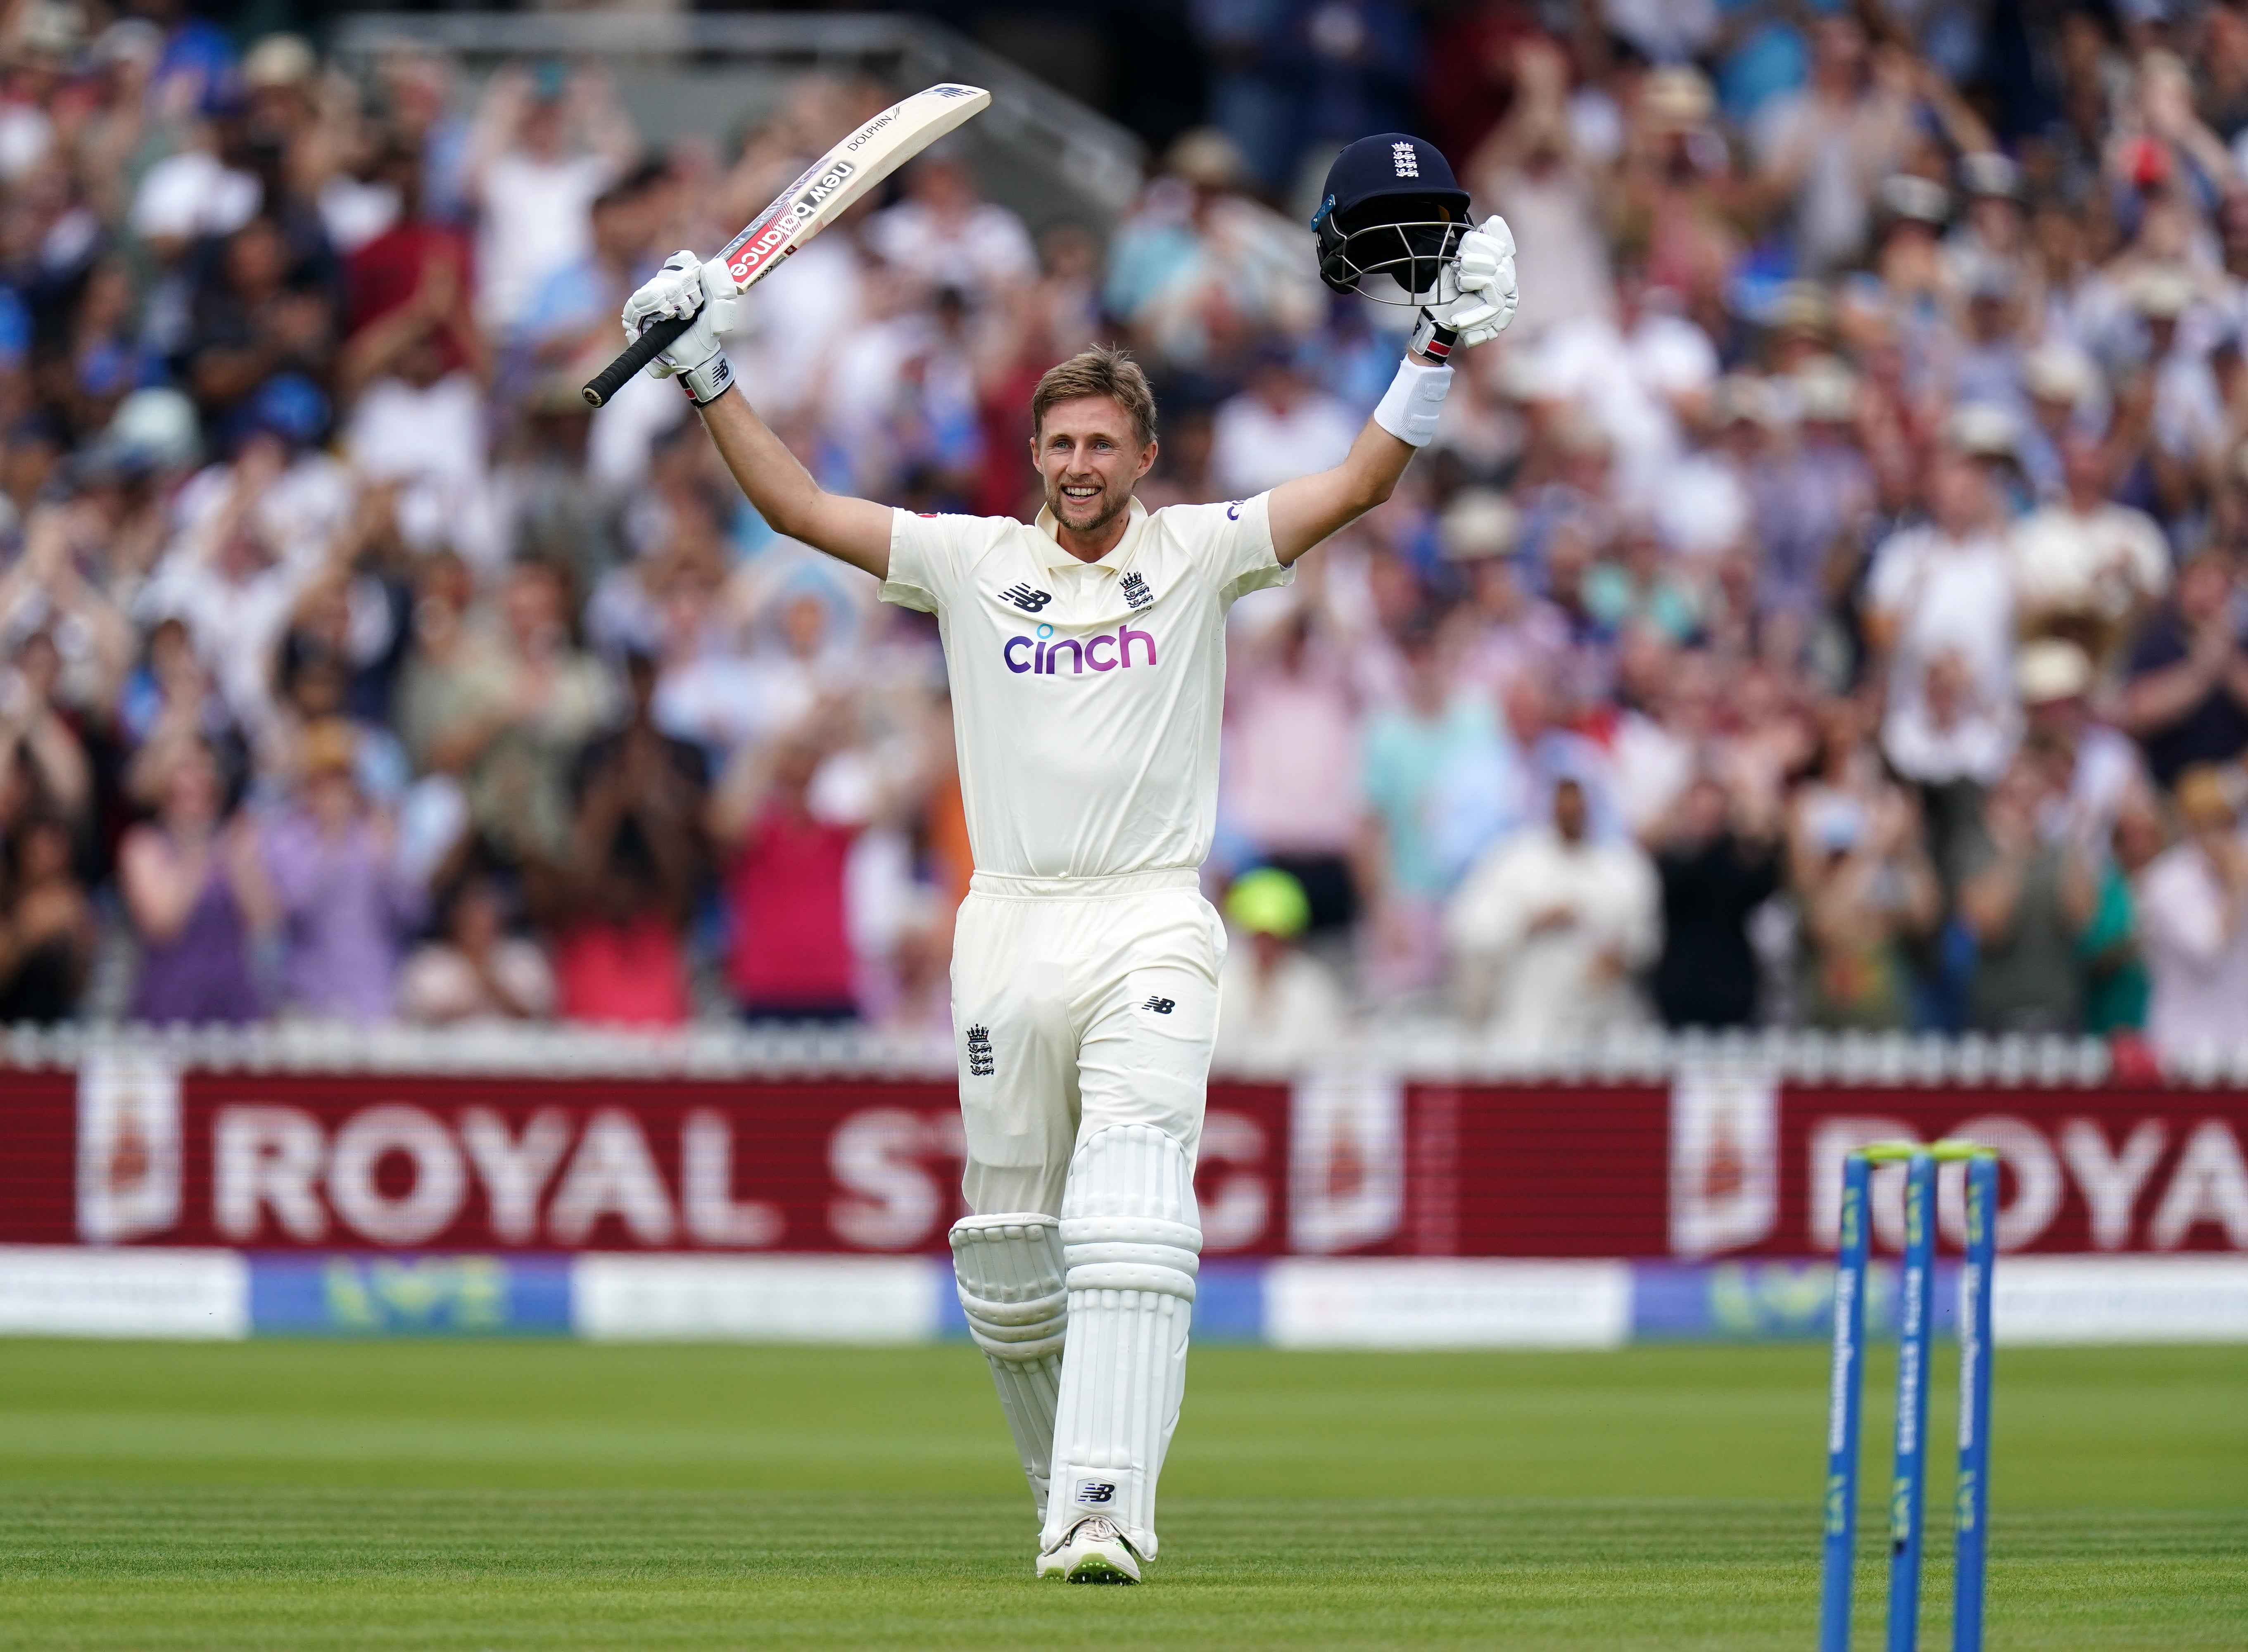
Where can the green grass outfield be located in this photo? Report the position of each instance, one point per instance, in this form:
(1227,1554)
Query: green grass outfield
(313,1495)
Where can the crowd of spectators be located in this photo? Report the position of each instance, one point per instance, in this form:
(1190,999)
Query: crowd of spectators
(1824,608)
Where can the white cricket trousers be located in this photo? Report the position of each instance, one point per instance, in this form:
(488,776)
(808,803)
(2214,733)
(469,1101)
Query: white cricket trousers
(1078,1003)
(1083,1010)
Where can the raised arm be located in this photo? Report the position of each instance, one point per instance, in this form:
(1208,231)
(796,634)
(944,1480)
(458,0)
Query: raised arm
(1310,508)
(852,531)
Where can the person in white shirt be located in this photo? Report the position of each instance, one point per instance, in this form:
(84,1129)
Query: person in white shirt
(1087,661)
(1280,427)
(2085,568)
(1551,928)
(944,228)
(1941,608)
(544,148)
(2193,923)
(1280,1003)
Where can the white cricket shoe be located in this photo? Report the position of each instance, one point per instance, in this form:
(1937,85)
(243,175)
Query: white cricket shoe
(1094,1551)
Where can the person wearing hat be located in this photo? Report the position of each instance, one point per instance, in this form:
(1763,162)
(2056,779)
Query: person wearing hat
(1275,1000)
(2193,918)
(2066,398)
(2086,567)
(1808,491)
(2089,767)
(1993,231)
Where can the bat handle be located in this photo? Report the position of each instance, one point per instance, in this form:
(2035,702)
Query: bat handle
(637,354)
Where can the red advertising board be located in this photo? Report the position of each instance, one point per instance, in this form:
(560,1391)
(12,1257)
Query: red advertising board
(133,1153)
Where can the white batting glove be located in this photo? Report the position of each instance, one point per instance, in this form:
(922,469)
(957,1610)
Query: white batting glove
(688,286)
(1484,267)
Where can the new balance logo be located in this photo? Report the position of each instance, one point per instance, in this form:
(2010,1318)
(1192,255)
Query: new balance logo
(979,1051)
(1407,158)
(1096,1491)
(1028,600)
(1136,594)
(1161,1006)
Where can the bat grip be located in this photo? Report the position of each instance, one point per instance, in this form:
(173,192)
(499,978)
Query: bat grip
(637,354)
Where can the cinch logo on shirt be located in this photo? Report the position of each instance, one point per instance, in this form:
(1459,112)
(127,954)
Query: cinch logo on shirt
(1042,658)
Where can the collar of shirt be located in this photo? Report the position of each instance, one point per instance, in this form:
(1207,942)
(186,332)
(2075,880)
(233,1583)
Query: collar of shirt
(1118,553)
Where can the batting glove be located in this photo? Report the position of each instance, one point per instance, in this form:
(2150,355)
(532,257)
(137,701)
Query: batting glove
(1484,270)
(688,286)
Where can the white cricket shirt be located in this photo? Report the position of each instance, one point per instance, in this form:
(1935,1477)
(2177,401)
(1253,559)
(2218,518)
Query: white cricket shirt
(1087,696)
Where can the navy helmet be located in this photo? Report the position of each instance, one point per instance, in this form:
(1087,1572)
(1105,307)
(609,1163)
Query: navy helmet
(1391,208)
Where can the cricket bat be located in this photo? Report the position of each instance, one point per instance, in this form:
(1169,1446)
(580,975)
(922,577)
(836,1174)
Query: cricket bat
(814,200)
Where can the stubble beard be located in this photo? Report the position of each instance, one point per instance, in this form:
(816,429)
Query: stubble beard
(1114,505)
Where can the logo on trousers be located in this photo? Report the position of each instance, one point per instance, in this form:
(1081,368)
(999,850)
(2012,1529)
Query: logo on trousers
(979,1051)
(1161,1006)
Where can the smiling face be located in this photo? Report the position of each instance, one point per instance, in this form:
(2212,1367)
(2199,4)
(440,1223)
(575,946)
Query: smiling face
(1089,457)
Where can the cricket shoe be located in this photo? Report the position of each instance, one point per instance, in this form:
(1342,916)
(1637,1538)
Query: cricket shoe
(1094,1551)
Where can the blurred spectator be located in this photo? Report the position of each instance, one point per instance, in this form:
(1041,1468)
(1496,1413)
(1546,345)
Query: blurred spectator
(475,970)
(621,899)
(1941,608)
(47,930)
(1824,150)
(1409,750)
(1277,429)
(40,753)
(1199,268)
(791,957)
(196,894)
(2086,769)
(1716,864)
(943,225)
(2086,568)
(1528,170)
(2193,908)
(1552,928)
(503,706)
(1273,994)
(346,906)
(2026,901)
(1289,779)
(2187,701)
(2111,948)
(1867,454)
(1862,879)
(266,311)
(547,141)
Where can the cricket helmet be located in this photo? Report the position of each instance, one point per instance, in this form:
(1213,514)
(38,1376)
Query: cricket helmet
(1391,208)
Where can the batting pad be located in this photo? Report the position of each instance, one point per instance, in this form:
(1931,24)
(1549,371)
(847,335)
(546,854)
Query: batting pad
(1008,1269)
(1130,1236)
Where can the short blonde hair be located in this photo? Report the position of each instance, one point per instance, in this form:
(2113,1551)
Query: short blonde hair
(1101,371)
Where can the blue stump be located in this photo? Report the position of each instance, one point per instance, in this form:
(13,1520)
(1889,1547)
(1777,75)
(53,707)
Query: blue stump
(1843,1401)
(1914,1321)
